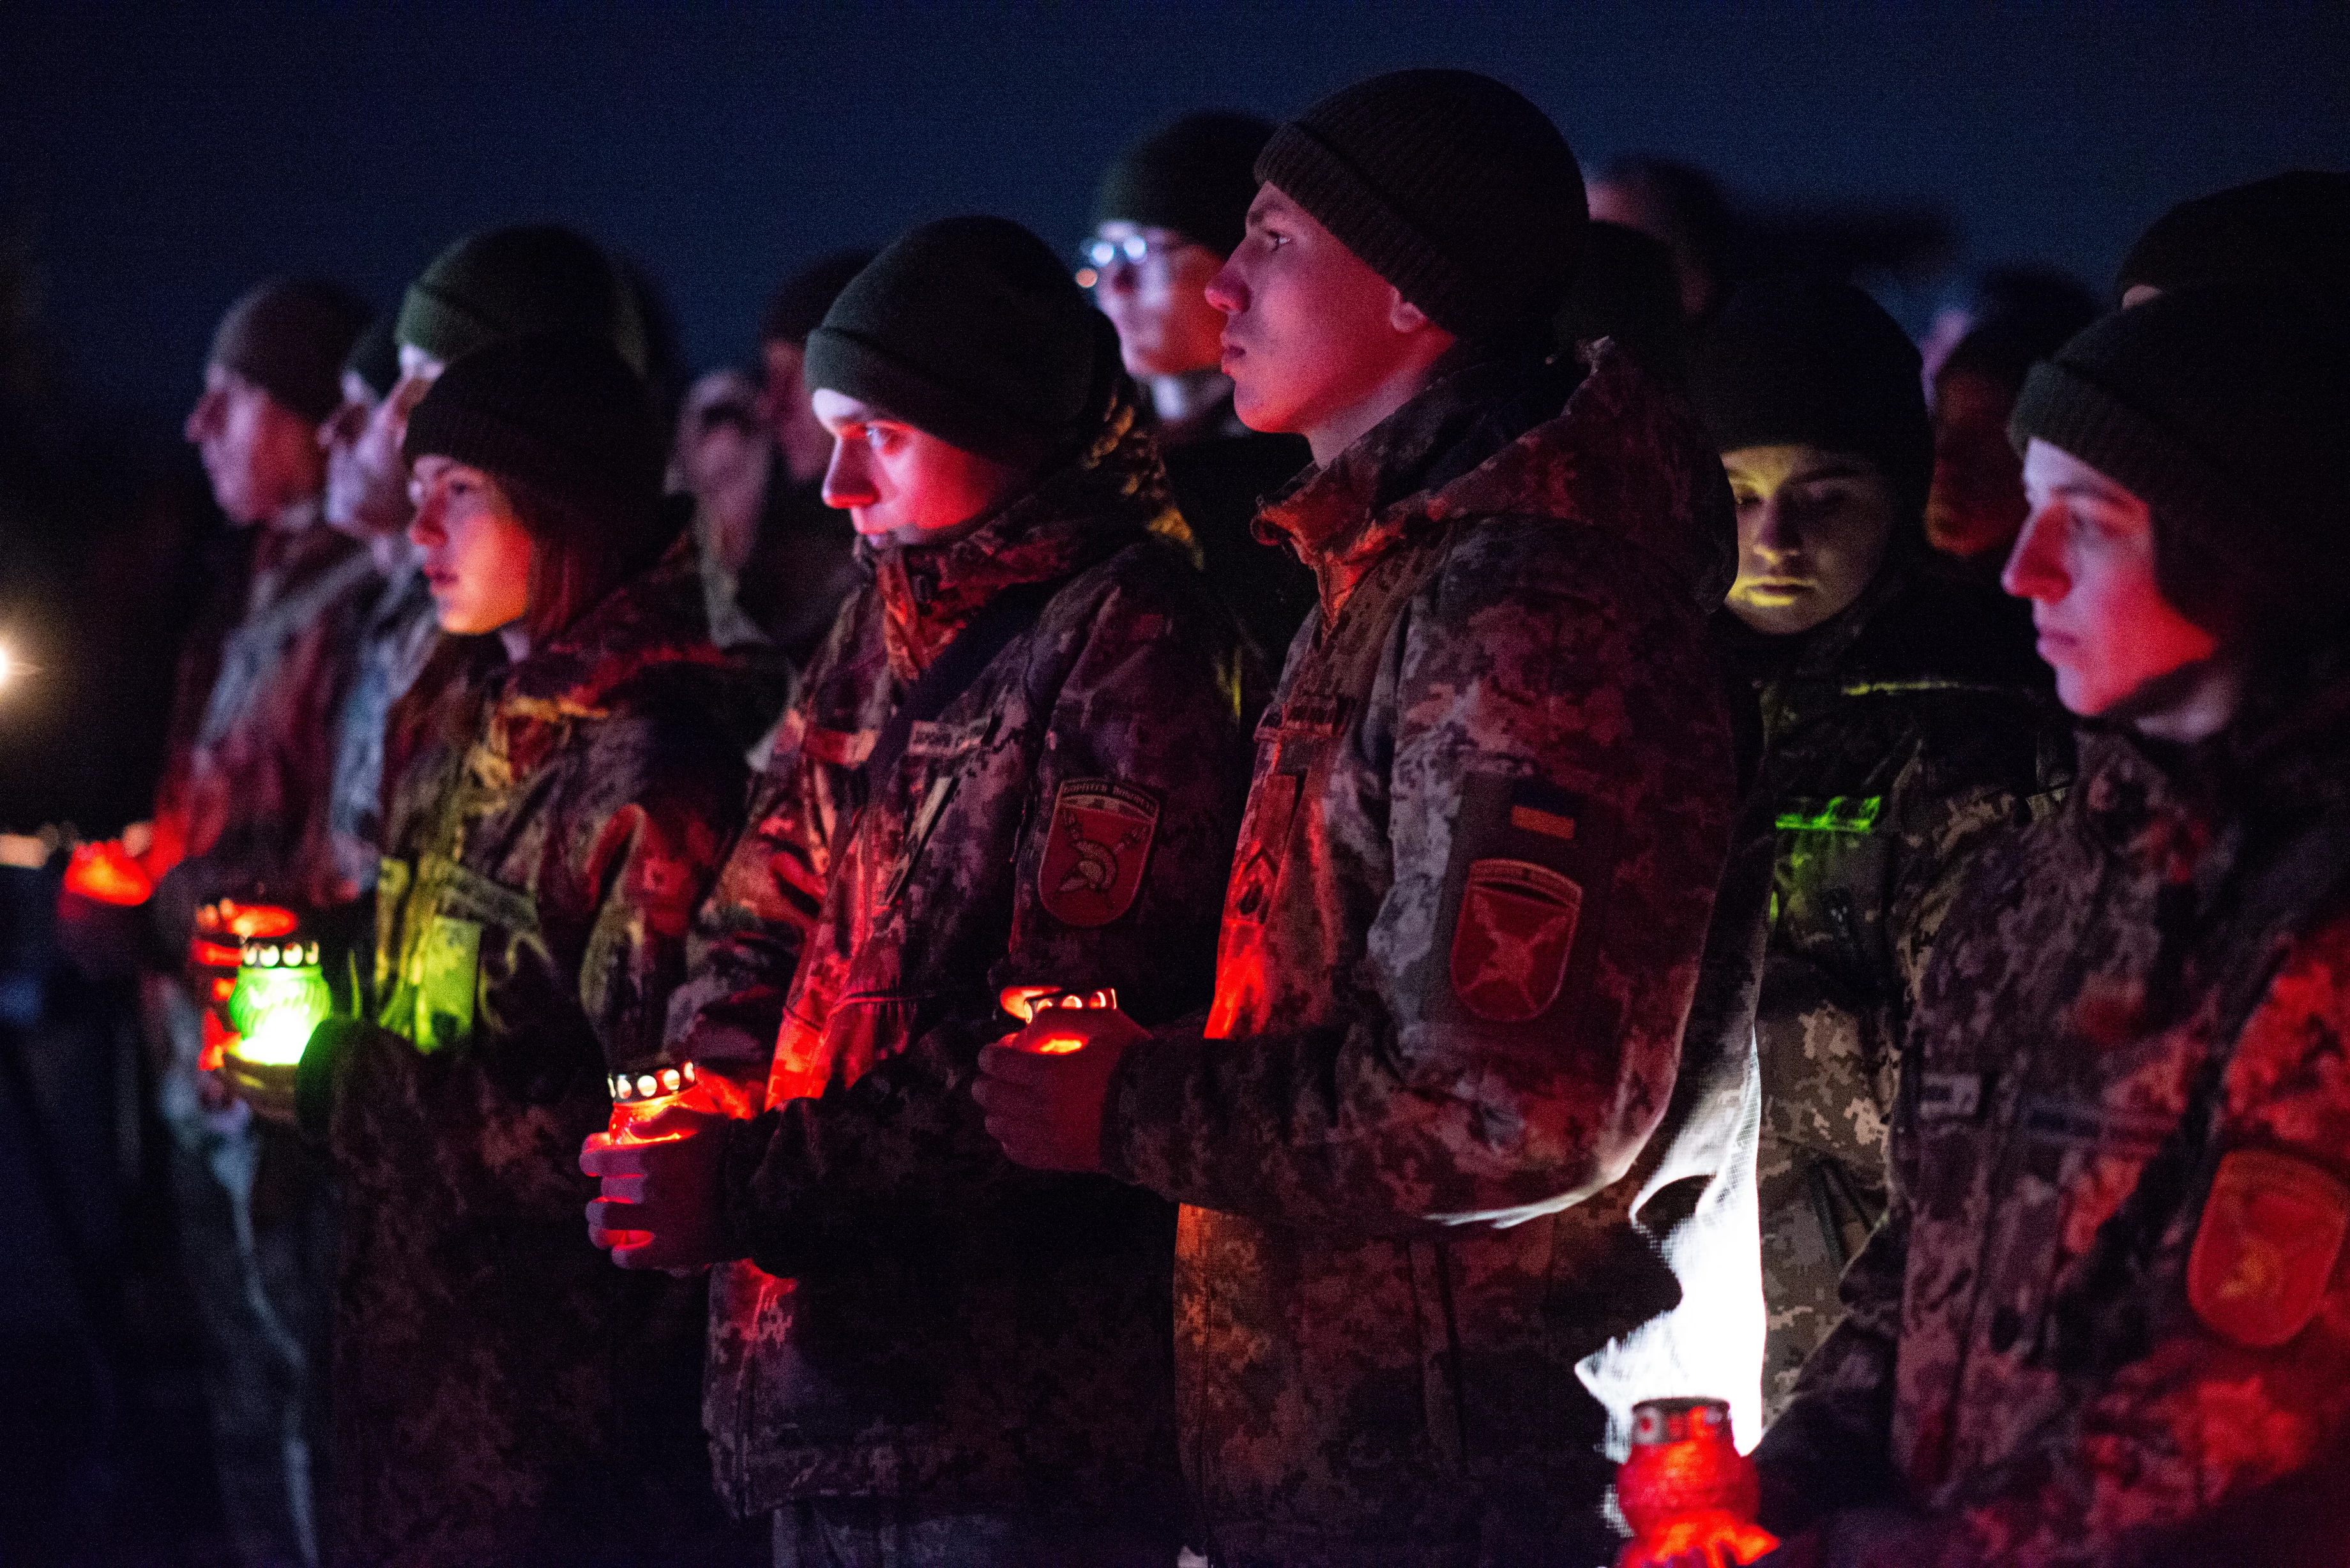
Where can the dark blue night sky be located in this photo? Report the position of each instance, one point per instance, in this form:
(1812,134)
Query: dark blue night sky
(166,160)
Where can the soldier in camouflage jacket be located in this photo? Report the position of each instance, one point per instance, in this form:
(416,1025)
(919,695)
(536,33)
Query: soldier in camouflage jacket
(500,1395)
(1898,735)
(2110,1304)
(1445,1177)
(921,1327)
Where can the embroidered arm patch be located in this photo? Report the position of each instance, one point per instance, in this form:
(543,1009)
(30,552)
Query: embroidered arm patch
(1099,848)
(1524,898)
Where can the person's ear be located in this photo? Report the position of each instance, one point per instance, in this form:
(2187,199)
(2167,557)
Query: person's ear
(1403,315)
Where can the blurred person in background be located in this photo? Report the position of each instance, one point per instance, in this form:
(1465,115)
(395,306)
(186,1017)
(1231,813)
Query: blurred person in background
(1682,207)
(240,814)
(1899,735)
(2290,231)
(800,566)
(1166,214)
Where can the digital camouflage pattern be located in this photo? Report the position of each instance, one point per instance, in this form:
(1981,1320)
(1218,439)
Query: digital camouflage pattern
(1898,739)
(2110,1300)
(920,1319)
(1431,1199)
(501,1393)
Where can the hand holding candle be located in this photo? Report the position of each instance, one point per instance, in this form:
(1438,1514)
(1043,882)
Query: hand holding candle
(659,1169)
(1043,1090)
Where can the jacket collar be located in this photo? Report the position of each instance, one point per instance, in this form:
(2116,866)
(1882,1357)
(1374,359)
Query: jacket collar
(1621,454)
(1083,511)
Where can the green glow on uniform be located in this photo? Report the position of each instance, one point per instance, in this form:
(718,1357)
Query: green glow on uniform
(1838,813)
(274,1009)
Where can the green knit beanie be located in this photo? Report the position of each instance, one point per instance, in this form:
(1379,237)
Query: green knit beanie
(289,338)
(2224,411)
(971,330)
(1196,177)
(563,414)
(515,282)
(1449,185)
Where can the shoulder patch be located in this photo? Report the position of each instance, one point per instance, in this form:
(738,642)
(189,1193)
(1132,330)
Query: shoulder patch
(1511,942)
(1525,893)
(2271,1234)
(1097,850)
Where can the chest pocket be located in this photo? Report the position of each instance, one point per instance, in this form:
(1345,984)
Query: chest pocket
(431,985)
(1828,885)
(1296,741)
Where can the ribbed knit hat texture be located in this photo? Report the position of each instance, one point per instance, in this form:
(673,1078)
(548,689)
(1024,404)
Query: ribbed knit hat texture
(2290,231)
(2225,411)
(1196,177)
(289,338)
(521,282)
(799,306)
(1449,185)
(563,414)
(971,330)
(375,358)
(1816,362)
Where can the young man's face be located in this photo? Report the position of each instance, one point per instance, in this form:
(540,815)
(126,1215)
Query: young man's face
(2085,560)
(1152,284)
(1977,501)
(1310,331)
(1813,528)
(260,456)
(475,554)
(900,485)
(367,487)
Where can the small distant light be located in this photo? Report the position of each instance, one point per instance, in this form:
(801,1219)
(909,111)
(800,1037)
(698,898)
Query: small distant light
(8,664)
(1087,277)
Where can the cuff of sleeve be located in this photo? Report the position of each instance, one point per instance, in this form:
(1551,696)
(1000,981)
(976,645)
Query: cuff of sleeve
(738,1179)
(1136,1121)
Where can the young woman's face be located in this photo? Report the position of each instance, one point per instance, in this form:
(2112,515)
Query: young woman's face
(2085,560)
(1812,529)
(475,555)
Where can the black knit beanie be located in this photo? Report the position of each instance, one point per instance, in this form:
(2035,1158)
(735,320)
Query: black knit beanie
(799,306)
(375,358)
(2291,232)
(518,283)
(289,338)
(2224,411)
(971,330)
(1196,177)
(563,414)
(1816,362)
(1449,185)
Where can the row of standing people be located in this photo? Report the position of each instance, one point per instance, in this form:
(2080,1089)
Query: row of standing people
(1454,1188)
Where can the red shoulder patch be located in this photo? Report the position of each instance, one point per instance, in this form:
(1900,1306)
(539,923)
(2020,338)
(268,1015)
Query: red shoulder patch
(1097,850)
(1511,938)
(2265,1247)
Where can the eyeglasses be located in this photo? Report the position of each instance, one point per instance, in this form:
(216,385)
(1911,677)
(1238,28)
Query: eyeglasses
(1136,251)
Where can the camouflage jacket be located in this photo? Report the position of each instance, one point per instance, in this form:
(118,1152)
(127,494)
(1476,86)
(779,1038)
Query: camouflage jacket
(924,1320)
(249,804)
(1897,741)
(501,1393)
(1415,1137)
(2111,1295)
(392,641)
